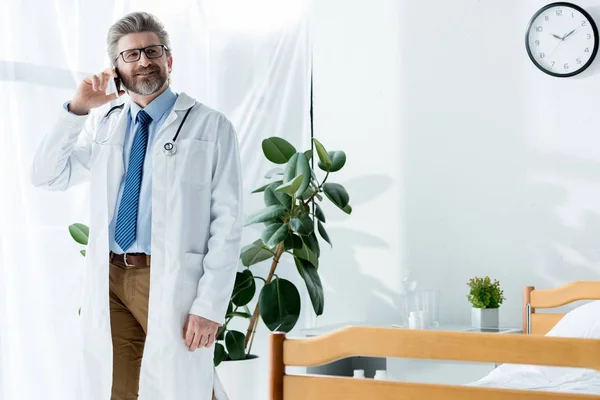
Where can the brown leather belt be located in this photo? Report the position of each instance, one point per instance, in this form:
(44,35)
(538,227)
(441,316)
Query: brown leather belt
(131,259)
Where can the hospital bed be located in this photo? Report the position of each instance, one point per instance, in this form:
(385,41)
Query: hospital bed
(544,345)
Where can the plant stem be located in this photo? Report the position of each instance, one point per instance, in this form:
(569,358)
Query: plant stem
(254,321)
(318,190)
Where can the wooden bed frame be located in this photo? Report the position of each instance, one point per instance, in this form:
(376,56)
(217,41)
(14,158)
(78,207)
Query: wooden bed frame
(531,348)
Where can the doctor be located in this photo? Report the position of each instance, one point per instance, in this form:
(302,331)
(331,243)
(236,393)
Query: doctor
(166,220)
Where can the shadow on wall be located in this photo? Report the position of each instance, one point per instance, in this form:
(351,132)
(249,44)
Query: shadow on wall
(354,288)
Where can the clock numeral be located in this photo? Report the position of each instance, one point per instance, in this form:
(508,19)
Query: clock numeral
(578,61)
(559,13)
(587,50)
(537,42)
(552,63)
(589,36)
(539,28)
(566,65)
(542,55)
(583,23)
(546,18)
(572,14)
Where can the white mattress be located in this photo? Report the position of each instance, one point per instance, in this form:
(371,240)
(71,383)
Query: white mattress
(552,379)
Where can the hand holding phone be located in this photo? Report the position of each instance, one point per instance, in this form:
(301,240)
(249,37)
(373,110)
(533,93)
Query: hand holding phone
(92,92)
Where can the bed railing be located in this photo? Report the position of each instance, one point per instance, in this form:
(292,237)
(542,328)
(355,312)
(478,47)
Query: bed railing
(420,344)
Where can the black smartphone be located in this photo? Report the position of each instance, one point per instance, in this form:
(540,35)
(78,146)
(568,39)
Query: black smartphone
(118,80)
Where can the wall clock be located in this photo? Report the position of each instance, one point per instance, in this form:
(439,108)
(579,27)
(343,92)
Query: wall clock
(562,39)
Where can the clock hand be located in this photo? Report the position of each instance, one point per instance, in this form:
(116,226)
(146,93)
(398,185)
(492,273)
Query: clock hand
(570,33)
(554,51)
(558,37)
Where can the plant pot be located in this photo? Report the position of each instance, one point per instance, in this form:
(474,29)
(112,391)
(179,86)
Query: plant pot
(241,379)
(484,317)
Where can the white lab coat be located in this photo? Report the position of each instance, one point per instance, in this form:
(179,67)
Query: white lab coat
(196,235)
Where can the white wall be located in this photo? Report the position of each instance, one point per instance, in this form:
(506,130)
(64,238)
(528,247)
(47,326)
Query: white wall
(463,158)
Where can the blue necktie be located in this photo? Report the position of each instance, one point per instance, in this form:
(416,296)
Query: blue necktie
(128,208)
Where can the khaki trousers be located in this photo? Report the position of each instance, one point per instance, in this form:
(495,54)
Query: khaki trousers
(129,290)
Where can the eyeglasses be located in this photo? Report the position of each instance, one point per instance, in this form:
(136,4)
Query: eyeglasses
(133,55)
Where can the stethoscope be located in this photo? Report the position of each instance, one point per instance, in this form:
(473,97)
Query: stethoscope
(169,148)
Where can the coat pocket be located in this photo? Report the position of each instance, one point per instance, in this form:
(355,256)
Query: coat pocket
(191,273)
(197,155)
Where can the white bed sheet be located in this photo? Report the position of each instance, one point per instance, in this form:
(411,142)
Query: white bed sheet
(552,379)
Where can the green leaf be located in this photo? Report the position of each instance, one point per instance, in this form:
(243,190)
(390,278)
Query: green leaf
(261,189)
(337,194)
(303,225)
(244,288)
(229,307)
(79,312)
(80,233)
(318,196)
(273,198)
(319,213)
(347,209)
(308,154)
(268,214)
(313,284)
(338,160)
(291,187)
(293,241)
(323,233)
(307,254)
(313,244)
(279,305)
(273,171)
(234,340)
(82,252)
(275,234)
(298,165)
(238,314)
(220,354)
(323,155)
(255,253)
(278,150)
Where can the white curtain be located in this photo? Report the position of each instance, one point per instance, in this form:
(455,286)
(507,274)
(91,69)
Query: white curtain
(247,58)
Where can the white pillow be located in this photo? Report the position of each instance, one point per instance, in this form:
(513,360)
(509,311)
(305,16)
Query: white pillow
(581,322)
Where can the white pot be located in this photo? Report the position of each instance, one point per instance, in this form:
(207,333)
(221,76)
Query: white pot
(484,317)
(240,380)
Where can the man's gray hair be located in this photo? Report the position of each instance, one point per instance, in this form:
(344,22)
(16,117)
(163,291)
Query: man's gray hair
(134,23)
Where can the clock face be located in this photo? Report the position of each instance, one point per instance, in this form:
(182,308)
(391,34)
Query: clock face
(562,39)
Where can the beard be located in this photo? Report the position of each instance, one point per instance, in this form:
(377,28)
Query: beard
(146,85)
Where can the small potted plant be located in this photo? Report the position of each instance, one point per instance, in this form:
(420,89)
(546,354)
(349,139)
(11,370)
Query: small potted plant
(485,297)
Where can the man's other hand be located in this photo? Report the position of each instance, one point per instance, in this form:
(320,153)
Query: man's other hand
(199,332)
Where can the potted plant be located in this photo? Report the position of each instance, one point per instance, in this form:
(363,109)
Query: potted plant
(485,297)
(291,219)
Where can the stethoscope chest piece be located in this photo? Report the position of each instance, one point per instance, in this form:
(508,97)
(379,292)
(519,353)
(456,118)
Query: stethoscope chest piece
(169,149)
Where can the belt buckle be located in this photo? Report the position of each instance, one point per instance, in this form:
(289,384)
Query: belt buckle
(125,260)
